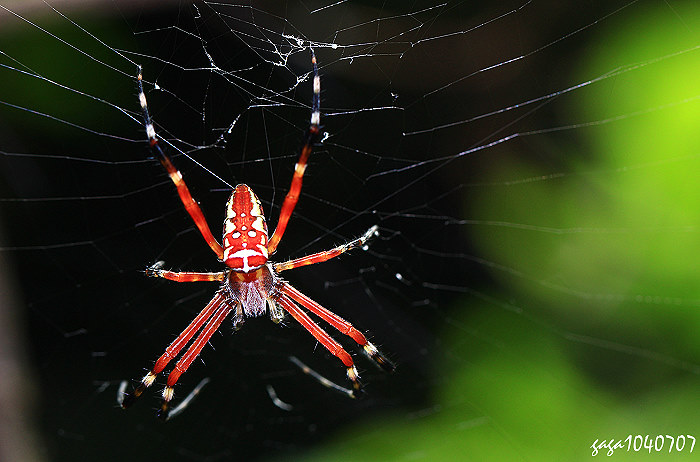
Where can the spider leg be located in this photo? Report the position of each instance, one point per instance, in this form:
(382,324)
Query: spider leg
(340,324)
(182,190)
(326,255)
(326,340)
(174,349)
(184,276)
(290,201)
(185,361)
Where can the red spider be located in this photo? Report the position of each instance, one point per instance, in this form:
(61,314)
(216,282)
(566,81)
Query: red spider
(250,284)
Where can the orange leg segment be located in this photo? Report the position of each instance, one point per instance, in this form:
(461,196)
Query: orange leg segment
(340,324)
(292,197)
(194,350)
(290,201)
(174,349)
(190,205)
(182,190)
(326,255)
(326,340)
(185,276)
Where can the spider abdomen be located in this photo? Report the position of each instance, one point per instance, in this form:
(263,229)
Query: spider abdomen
(245,231)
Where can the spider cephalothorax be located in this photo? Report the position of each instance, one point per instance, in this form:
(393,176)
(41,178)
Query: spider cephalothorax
(250,285)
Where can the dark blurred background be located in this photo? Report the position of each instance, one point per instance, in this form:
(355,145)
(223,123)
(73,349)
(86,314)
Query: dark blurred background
(536,274)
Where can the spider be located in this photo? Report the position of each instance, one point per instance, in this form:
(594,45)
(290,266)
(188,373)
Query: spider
(250,284)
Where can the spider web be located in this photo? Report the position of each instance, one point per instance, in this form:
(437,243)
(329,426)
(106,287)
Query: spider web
(530,166)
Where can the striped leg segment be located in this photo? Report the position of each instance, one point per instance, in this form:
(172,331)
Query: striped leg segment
(182,190)
(290,201)
(326,340)
(185,276)
(340,324)
(222,311)
(174,349)
(326,255)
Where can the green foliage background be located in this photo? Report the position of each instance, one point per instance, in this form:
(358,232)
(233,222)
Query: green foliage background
(590,327)
(607,343)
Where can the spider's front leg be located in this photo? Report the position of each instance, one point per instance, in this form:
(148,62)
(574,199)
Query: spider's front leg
(156,271)
(182,190)
(320,257)
(312,134)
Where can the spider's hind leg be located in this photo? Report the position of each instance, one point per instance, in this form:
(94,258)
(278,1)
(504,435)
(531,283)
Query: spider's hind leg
(341,325)
(379,359)
(172,351)
(326,340)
